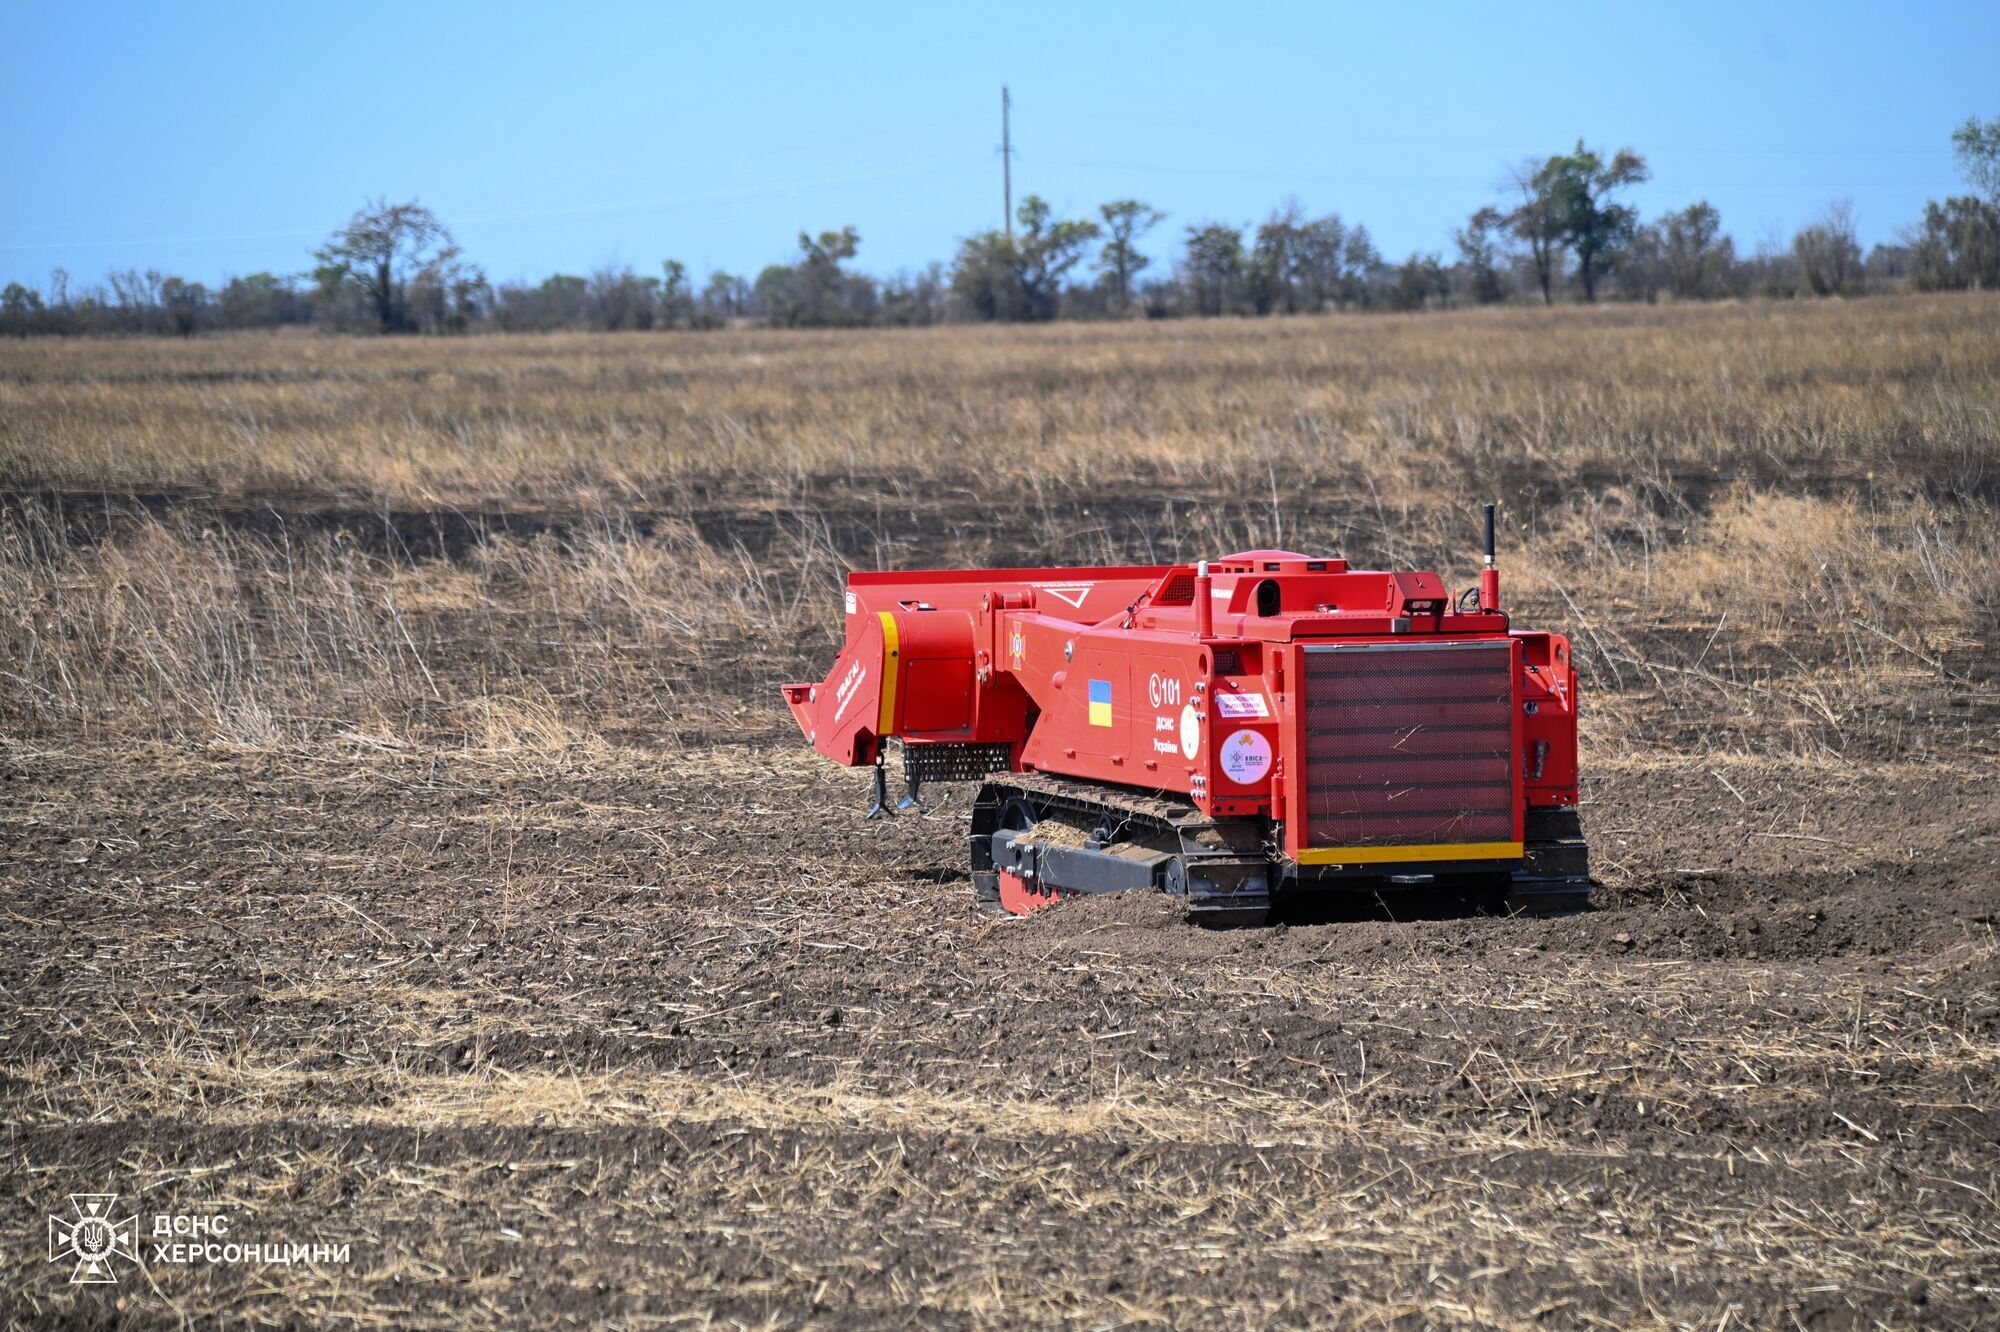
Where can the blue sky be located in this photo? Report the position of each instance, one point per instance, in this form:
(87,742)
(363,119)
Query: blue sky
(206,139)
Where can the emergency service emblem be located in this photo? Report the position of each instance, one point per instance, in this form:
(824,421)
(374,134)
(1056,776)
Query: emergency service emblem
(93,1238)
(1017,648)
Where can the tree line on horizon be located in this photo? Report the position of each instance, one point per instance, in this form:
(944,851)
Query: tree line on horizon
(1559,232)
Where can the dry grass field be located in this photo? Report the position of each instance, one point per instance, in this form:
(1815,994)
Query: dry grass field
(402,843)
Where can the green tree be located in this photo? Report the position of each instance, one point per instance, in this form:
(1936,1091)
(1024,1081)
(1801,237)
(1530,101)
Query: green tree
(724,295)
(811,293)
(774,292)
(1580,185)
(20,310)
(676,295)
(1537,220)
(471,299)
(1976,144)
(186,304)
(1695,256)
(1322,247)
(1213,269)
(1958,247)
(1417,279)
(1125,221)
(260,300)
(382,251)
(1278,260)
(1046,248)
(565,299)
(820,274)
(1479,255)
(997,276)
(1361,264)
(984,281)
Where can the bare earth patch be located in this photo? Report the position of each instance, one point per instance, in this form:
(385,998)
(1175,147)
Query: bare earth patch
(693,1036)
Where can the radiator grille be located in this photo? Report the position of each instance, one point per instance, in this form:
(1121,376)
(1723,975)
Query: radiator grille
(952,762)
(1178,590)
(1409,745)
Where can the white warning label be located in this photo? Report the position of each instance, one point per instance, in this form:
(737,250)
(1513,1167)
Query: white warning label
(1073,593)
(1241,705)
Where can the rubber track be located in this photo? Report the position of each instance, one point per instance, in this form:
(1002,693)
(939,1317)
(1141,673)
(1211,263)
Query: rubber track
(1177,826)
(1162,814)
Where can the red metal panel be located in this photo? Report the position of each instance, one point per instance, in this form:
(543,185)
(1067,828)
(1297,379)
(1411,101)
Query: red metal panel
(1548,722)
(937,695)
(1017,898)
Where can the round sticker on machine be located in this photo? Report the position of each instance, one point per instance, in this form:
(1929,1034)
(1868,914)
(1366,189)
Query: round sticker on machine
(1246,757)
(1190,730)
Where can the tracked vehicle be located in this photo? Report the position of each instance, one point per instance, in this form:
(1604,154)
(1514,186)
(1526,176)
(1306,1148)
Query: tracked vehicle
(1230,732)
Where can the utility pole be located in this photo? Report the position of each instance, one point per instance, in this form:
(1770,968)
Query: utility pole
(1006,163)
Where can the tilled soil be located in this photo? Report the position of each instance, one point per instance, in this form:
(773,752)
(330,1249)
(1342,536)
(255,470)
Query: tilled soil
(632,1037)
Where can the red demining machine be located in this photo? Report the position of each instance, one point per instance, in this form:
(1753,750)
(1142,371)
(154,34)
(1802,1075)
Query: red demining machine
(1232,733)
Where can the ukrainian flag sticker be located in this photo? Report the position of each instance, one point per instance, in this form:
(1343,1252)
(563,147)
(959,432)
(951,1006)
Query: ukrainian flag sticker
(1100,702)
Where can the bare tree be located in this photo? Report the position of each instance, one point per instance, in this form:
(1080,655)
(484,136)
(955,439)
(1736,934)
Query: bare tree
(1537,221)
(1322,246)
(383,251)
(137,296)
(620,298)
(1828,254)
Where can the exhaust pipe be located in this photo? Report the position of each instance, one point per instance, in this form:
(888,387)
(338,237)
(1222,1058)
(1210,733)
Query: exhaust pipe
(1204,605)
(1489,577)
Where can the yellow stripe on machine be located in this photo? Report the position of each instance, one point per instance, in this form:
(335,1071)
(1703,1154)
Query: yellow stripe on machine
(892,645)
(1384,855)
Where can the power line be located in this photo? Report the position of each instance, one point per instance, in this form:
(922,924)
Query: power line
(1433,141)
(1370,178)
